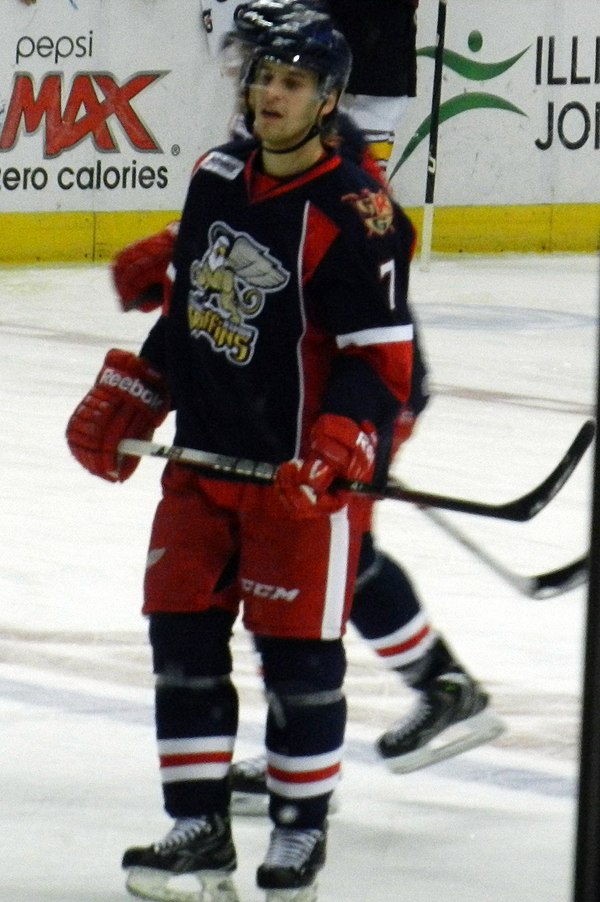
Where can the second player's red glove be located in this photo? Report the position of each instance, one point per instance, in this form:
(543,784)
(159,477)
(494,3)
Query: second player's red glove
(129,400)
(339,449)
(139,270)
(403,428)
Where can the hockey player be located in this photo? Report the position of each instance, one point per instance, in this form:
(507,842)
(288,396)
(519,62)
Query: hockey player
(451,711)
(288,339)
(382,35)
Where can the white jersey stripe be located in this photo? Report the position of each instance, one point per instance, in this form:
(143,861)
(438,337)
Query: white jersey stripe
(408,644)
(337,575)
(379,336)
(301,373)
(213,771)
(195,744)
(298,765)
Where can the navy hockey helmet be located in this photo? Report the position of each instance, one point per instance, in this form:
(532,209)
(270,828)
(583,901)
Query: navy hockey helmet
(297,33)
(252,20)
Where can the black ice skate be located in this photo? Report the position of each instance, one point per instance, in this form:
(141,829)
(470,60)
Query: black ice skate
(249,787)
(291,864)
(452,715)
(193,863)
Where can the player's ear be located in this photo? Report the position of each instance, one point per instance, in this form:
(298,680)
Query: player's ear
(330,103)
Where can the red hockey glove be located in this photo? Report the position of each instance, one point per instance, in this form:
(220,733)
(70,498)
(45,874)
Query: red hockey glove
(129,400)
(139,270)
(339,449)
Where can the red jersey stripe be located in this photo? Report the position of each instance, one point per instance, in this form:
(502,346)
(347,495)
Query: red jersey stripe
(404,646)
(309,776)
(195,758)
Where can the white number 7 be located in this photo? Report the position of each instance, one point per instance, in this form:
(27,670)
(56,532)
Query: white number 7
(387,271)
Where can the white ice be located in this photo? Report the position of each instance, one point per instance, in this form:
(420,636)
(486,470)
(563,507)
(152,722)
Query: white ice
(512,345)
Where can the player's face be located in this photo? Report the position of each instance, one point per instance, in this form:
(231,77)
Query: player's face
(286,103)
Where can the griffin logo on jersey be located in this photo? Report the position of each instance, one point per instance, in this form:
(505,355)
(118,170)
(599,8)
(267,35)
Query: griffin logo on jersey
(229,286)
(375,209)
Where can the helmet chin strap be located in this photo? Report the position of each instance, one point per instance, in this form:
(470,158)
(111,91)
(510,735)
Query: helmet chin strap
(313,131)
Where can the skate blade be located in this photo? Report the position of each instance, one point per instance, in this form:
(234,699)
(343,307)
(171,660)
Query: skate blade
(255,804)
(305,894)
(161,886)
(456,739)
(249,804)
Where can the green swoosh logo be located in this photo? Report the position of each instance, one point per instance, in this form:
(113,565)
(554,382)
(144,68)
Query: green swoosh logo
(471,69)
(474,100)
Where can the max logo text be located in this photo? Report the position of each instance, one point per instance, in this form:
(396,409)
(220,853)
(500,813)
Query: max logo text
(94,103)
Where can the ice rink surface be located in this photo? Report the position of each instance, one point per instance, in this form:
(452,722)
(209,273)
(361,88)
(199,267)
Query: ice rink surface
(511,342)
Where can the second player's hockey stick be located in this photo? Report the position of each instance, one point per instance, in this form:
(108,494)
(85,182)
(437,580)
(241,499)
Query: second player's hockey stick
(520,509)
(539,586)
(427,230)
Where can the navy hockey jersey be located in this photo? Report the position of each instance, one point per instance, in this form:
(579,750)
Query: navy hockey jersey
(382,35)
(289,299)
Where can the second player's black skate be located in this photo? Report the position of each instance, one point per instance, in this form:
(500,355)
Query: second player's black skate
(248,778)
(291,864)
(194,861)
(451,715)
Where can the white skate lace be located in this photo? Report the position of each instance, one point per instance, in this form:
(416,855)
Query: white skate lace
(423,707)
(252,767)
(413,720)
(290,848)
(183,830)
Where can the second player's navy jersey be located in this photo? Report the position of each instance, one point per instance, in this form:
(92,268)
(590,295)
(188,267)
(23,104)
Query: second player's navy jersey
(289,300)
(382,37)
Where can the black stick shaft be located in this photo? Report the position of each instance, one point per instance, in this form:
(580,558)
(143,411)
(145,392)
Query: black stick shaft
(435,104)
(519,509)
(427,230)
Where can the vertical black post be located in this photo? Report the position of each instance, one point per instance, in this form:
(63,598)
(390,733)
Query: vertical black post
(587,845)
(435,102)
(427,231)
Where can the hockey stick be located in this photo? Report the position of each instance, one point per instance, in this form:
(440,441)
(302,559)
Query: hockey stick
(427,230)
(539,586)
(523,508)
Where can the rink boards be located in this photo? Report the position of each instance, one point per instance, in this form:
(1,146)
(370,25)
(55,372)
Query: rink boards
(105,107)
